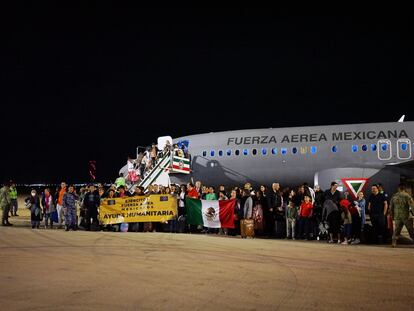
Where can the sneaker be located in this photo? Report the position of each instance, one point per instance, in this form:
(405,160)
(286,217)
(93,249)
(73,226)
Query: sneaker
(344,243)
(339,241)
(394,243)
(356,241)
(330,241)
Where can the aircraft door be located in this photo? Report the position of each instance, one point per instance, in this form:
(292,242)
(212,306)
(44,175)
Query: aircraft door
(404,149)
(384,149)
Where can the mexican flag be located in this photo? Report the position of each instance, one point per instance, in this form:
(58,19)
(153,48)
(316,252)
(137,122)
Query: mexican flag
(211,214)
(181,165)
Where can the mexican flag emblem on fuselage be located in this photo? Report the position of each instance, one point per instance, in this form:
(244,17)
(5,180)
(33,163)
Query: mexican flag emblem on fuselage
(355,185)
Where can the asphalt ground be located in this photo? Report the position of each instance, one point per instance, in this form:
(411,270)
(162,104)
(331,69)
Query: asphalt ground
(77,270)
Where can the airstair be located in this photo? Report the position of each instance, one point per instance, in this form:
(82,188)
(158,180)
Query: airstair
(161,168)
(168,163)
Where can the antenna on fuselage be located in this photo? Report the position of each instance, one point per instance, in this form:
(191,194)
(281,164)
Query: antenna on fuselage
(402,118)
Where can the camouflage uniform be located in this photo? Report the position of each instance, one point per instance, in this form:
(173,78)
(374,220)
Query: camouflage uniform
(400,211)
(5,203)
(69,203)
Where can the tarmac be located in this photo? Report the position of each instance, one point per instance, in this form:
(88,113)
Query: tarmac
(77,270)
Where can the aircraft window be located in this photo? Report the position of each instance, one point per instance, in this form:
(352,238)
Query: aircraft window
(354,148)
(264,151)
(364,147)
(204,153)
(229,152)
(246,151)
(374,147)
(384,147)
(404,146)
(334,149)
(294,150)
(314,149)
(283,151)
(274,150)
(254,151)
(220,153)
(237,152)
(212,153)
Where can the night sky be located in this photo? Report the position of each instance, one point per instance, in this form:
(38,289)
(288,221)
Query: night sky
(94,83)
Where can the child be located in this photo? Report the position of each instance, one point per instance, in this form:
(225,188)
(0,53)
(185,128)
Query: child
(356,224)
(305,214)
(347,220)
(291,214)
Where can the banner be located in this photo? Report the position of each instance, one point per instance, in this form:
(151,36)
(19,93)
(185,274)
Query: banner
(152,208)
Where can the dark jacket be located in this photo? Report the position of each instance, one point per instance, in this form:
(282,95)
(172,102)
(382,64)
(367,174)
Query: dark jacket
(35,210)
(91,201)
(335,197)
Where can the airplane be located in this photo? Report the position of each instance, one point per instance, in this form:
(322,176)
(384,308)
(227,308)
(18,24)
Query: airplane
(353,155)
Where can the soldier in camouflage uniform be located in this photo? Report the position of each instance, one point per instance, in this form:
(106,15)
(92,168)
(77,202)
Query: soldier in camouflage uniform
(69,204)
(400,212)
(5,204)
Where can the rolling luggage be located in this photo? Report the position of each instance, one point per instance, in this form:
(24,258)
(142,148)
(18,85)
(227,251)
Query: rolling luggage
(247,228)
(148,227)
(133,227)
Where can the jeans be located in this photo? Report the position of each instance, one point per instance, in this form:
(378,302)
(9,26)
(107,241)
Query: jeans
(61,213)
(48,216)
(290,227)
(14,206)
(347,231)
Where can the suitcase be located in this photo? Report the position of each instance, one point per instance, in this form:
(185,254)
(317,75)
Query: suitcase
(148,227)
(133,227)
(247,228)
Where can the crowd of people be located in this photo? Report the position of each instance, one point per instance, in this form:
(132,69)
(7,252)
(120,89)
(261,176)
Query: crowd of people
(146,160)
(301,213)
